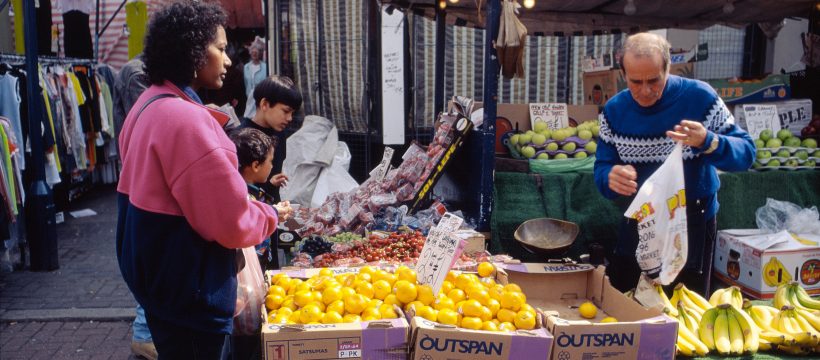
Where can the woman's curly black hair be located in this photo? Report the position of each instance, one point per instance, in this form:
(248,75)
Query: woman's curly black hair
(177,39)
(251,145)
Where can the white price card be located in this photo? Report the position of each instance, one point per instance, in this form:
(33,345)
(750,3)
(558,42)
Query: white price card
(439,251)
(761,117)
(379,172)
(553,114)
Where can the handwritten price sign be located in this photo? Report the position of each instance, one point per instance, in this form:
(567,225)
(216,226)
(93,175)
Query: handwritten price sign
(439,251)
(553,114)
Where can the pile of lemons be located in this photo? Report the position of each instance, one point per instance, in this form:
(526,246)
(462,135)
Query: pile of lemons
(468,300)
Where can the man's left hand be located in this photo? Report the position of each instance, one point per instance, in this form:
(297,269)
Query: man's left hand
(691,133)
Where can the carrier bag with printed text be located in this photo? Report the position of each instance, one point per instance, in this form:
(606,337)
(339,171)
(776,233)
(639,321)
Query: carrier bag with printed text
(659,208)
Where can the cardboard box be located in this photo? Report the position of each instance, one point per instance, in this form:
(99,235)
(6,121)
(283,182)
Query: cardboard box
(794,114)
(382,339)
(558,289)
(741,257)
(772,88)
(476,241)
(436,341)
(519,114)
(601,86)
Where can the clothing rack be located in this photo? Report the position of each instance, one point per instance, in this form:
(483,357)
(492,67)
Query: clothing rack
(49,60)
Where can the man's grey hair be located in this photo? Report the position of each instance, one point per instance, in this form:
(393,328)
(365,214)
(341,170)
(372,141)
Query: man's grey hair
(648,44)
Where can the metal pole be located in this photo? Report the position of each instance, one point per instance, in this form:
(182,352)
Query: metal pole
(487,132)
(438,102)
(97,32)
(40,223)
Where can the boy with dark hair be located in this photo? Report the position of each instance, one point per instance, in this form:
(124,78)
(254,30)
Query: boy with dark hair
(276,99)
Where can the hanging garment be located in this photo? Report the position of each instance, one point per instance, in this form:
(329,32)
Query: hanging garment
(15,148)
(8,181)
(19,40)
(136,17)
(43,12)
(10,102)
(77,34)
(512,38)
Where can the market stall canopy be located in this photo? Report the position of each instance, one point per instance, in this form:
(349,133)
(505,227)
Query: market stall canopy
(571,16)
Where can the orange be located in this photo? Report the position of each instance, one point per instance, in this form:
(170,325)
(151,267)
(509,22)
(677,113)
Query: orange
(463,281)
(489,326)
(355,304)
(407,274)
(288,303)
(456,295)
(413,305)
(367,269)
(506,326)
(525,320)
(471,308)
(588,310)
(496,291)
(444,302)
(470,322)
(405,291)
(366,289)
(485,269)
(425,294)
(483,296)
(427,313)
(351,318)
(331,294)
(448,317)
(527,307)
(303,297)
(506,315)
(310,313)
(274,301)
(391,299)
(277,290)
(326,272)
(336,306)
(511,300)
(446,286)
(332,317)
(512,287)
(381,288)
(494,306)
(388,312)
(451,276)
(371,313)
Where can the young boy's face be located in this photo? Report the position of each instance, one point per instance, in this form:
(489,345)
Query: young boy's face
(263,169)
(276,117)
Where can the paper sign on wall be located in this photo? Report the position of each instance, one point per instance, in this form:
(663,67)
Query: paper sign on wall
(439,251)
(761,117)
(554,114)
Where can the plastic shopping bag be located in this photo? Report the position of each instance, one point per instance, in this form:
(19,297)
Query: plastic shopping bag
(250,295)
(660,209)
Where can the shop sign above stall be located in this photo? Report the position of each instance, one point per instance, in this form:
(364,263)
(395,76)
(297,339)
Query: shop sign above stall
(772,88)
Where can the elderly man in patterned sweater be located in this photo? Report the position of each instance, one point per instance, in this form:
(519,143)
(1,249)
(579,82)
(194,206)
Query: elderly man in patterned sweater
(639,128)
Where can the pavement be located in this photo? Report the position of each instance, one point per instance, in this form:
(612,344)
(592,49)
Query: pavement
(83,310)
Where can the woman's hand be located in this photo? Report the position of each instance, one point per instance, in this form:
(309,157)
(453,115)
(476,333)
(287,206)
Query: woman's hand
(279,180)
(284,210)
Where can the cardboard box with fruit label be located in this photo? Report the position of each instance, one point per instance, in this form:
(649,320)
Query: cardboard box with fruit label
(558,290)
(734,91)
(757,262)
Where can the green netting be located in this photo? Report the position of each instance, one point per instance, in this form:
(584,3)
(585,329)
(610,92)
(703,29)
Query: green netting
(561,165)
(574,197)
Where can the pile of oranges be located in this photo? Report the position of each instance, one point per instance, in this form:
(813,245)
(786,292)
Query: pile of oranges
(467,300)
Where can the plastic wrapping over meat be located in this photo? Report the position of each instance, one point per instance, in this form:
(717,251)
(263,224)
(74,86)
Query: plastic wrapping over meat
(379,201)
(326,213)
(350,216)
(405,192)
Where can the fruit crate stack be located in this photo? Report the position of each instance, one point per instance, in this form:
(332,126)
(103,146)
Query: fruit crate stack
(784,151)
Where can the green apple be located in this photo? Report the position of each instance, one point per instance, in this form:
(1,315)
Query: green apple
(514,139)
(569,147)
(774,143)
(773,163)
(528,151)
(765,135)
(552,146)
(809,143)
(540,126)
(543,156)
(792,142)
(763,154)
(810,163)
(760,143)
(802,155)
(792,163)
(783,153)
(572,130)
(525,138)
(585,134)
(560,156)
(757,165)
(595,130)
(816,154)
(784,134)
(591,147)
(538,139)
(580,155)
(546,132)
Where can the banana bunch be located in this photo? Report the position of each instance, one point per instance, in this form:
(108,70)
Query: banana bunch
(774,273)
(730,295)
(770,336)
(728,330)
(691,300)
(801,325)
(689,343)
(668,308)
(794,295)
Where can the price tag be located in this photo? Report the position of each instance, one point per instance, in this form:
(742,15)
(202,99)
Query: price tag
(553,114)
(379,172)
(439,251)
(760,118)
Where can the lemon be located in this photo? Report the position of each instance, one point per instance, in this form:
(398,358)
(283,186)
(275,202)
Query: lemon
(609,319)
(364,277)
(444,302)
(425,294)
(470,322)
(525,320)
(374,303)
(414,305)
(463,281)
(486,314)
(588,310)
(481,295)
(494,306)
(318,304)
(456,295)
(485,269)
(405,291)
(446,286)
(427,313)
(391,300)
(347,291)
(332,317)
(407,274)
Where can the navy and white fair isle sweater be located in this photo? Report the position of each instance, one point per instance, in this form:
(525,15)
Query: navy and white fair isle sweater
(636,135)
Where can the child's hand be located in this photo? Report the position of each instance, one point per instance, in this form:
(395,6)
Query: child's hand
(279,180)
(284,210)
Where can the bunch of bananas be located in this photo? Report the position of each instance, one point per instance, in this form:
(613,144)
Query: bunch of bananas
(689,343)
(774,273)
(783,329)
(730,295)
(794,295)
(728,330)
(691,300)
